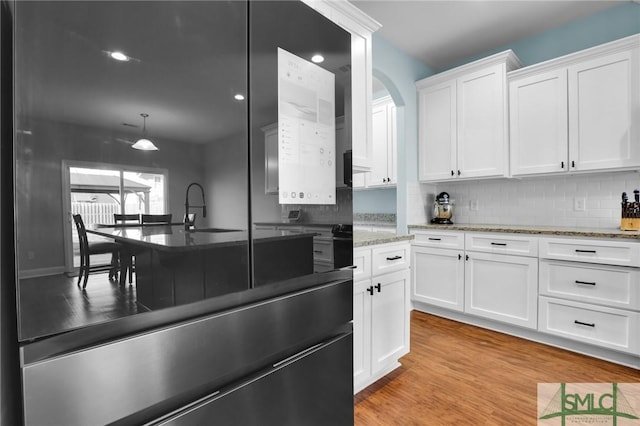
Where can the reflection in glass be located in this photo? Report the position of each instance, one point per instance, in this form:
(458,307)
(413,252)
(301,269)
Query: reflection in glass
(77,114)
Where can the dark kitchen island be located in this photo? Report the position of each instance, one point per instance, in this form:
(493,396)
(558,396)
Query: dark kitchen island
(174,266)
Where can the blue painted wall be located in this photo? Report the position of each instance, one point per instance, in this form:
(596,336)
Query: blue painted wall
(398,71)
(396,68)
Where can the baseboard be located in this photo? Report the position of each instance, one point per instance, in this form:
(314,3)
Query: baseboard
(379,375)
(41,272)
(605,354)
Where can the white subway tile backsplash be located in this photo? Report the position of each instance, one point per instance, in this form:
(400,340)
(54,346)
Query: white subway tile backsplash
(530,201)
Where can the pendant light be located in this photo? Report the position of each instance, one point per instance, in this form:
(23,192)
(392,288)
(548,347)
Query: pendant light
(144,144)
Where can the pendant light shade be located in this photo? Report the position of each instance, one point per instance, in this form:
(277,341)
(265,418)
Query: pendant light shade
(144,144)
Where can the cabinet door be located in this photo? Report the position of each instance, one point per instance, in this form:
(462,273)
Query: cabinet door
(438,277)
(539,124)
(271,160)
(379,173)
(437,132)
(481,107)
(502,287)
(604,100)
(389,319)
(361,333)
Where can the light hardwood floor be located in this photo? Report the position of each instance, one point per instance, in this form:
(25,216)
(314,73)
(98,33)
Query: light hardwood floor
(457,374)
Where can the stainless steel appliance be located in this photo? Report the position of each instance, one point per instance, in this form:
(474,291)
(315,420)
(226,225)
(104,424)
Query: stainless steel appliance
(342,245)
(442,209)
(234,334)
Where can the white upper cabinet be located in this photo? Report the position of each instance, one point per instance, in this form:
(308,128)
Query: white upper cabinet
(577,113)
(383,171)
(538,131)
(437,154)
(463,121)
(361,27)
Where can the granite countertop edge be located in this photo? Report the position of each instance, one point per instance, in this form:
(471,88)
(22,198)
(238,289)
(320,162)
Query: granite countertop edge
(367,238)
(534,230)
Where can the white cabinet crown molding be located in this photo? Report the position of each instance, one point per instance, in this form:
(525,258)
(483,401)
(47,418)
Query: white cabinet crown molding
(508,57)
(621,45)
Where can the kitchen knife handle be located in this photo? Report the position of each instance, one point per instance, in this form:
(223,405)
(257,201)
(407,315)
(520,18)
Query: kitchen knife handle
(585,282)
(588,324)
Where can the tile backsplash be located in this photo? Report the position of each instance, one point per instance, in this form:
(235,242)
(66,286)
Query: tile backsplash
(583,200)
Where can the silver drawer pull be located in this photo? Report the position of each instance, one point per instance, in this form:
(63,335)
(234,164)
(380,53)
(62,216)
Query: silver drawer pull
(585,251)
(585,282)
(588,324)
(394,258)
(317,251)
(435,239)
(498,244)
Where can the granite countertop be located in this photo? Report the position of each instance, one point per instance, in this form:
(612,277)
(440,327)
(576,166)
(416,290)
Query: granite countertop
(366,238)
(174,238)
(536,230)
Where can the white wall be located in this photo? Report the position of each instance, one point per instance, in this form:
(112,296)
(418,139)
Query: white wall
(532,201)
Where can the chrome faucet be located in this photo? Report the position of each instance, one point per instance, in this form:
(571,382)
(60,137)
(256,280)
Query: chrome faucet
(188,223)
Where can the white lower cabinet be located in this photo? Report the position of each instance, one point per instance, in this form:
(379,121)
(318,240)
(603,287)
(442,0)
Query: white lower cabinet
(502,288)
(583,290)
(611,328)
(380,316)
(438,276)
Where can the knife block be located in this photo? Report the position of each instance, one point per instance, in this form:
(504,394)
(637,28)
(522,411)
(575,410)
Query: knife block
(630,224)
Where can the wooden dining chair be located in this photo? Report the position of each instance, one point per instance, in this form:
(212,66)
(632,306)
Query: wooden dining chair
(123,219)
(88,248)
(126,257)
(156,219)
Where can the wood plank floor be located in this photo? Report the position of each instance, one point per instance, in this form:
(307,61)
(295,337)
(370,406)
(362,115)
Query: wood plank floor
(53,304)
(457,374)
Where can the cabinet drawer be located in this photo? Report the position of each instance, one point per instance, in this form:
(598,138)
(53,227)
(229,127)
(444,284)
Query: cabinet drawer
(502,243)
(322,249)
(389,258)
(362,263)
(591,251)
(612,328)
(441,239)
(614,286)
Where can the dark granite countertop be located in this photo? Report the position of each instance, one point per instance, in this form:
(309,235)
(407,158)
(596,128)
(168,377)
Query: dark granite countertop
(534,230)
(175,238)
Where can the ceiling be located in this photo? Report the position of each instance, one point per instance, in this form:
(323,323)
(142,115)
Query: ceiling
(444,33)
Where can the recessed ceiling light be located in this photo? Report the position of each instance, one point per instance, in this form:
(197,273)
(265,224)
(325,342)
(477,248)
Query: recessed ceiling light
(239,97)
(317,58)
(119,56)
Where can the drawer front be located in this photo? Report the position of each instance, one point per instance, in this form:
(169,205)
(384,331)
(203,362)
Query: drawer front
(611,328)
(389,258)
(441,239)
(322,231)
(605,252)
(322,249)
(362,263)
(613,286)
(502,243)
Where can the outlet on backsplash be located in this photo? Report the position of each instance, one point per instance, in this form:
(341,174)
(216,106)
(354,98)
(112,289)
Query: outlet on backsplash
(579,204)
(473,205)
